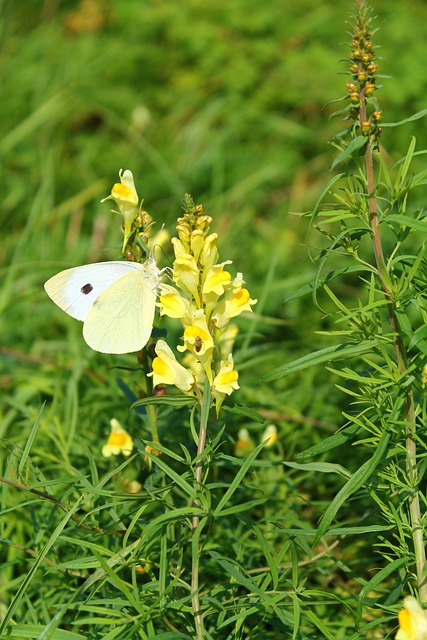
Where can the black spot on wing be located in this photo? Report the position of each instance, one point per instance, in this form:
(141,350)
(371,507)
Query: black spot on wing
(86,288)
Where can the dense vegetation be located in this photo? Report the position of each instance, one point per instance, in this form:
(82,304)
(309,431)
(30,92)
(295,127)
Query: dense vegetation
(231,102)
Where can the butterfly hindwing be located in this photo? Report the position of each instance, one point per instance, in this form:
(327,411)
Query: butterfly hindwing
(121,318)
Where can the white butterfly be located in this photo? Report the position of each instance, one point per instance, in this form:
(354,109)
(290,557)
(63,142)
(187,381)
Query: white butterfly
(115,300)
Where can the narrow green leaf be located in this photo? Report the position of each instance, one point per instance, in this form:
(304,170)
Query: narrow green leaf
(173,401)
(356,144)
(336,440)
(320,467)
(358,478)
(34,631)
(407,221)
(415,116)
(378,579)
(336,352)
(176,477)
(241,410)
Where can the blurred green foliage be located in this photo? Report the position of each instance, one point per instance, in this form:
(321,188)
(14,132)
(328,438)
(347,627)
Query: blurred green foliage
(227,100)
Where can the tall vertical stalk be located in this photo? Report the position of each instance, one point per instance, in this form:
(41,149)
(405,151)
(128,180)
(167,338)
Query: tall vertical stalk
(205,402)
(363,57)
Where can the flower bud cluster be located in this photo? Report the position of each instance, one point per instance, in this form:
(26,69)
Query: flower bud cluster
(363,69)
(204,297)
(136,222)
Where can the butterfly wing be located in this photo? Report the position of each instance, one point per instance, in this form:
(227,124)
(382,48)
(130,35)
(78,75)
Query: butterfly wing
(120,320)
(75,290)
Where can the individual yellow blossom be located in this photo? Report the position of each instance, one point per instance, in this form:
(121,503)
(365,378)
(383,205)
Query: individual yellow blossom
(184,235)
(167,370)
(424,375)
(269,435)
(119,441)
(226,379)
(412,621)
(199,341)
(179,248)
(235,301)
(225,382)
(173,304)
(244,444)
(125,196)
(186,275)
(197,242)
(209,253)
(197,337)
(216,281)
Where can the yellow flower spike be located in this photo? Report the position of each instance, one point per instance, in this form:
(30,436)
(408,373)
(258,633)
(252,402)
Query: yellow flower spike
(125,196)
(209,254)
(173,304)
(412,621)
(226,379)
(244,445)
(270,435)
(167,370)
(119,441)
(186,275)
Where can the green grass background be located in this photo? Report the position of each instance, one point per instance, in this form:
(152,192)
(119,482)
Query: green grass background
(227,100)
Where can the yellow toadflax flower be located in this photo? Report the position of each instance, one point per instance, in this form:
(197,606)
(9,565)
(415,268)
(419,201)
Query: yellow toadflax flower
(412,621)
(270,435)
(244,445)
(126,198)
(167,370)
(119,441)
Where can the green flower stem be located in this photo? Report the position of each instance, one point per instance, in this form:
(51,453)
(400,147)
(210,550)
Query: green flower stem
(205,403)
(411,452)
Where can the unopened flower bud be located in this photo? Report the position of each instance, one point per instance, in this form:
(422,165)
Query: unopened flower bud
(365,127)
(369,88)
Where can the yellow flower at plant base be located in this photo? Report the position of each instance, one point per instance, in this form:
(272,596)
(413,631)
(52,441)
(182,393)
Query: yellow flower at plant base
(167,370)
(119,441)
(412,621)
(235,301)
(225,382)
(270,435)
(226,379)
(125,196)
(244,444)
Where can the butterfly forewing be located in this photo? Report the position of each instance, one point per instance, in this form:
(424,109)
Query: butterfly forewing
(75,290)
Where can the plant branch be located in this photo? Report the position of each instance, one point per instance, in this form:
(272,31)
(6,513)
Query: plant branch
(411,464)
